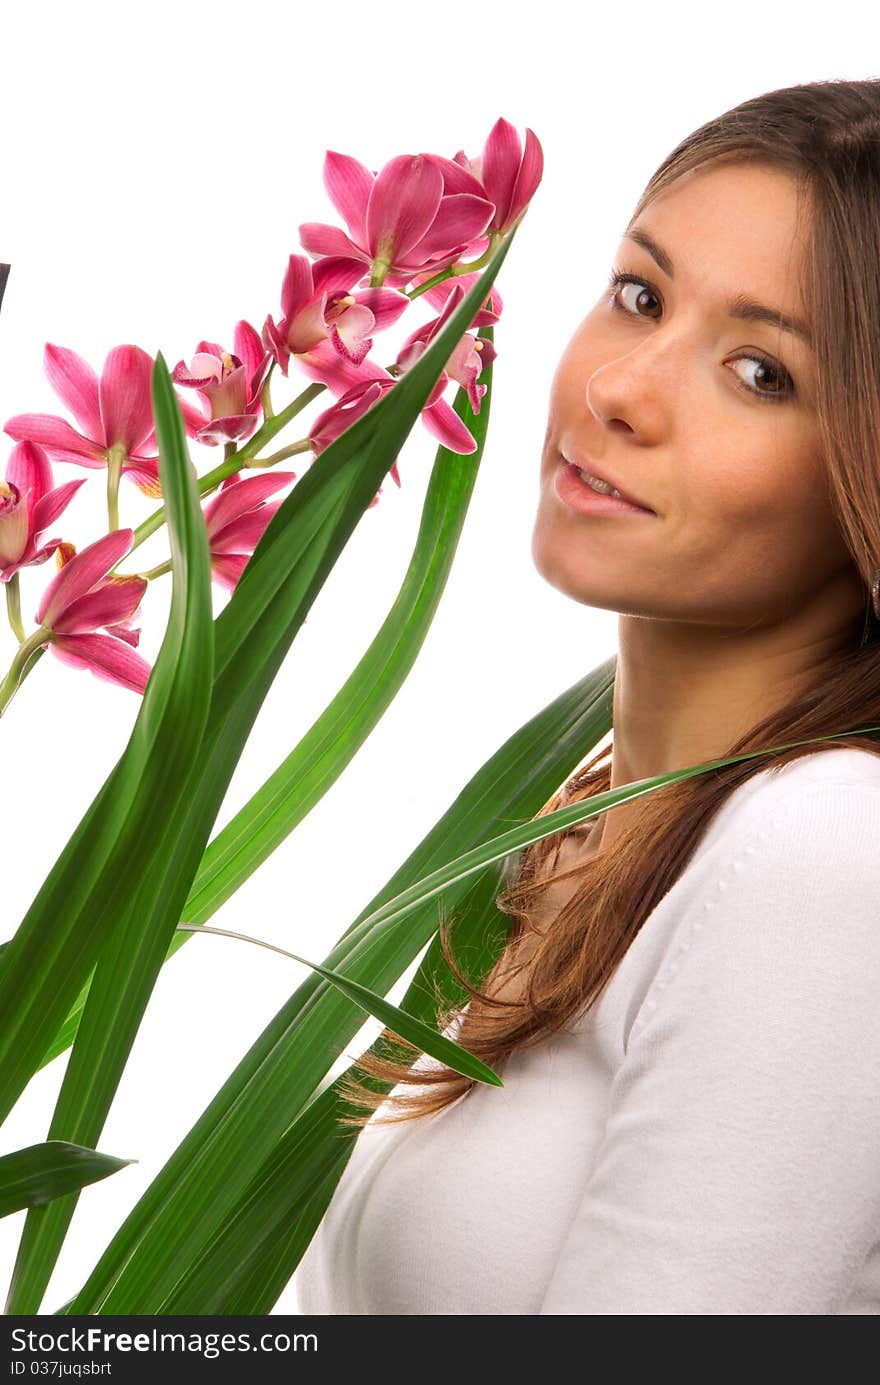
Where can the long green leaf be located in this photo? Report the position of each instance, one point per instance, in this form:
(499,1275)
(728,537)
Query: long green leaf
(248,1263)
(40,1173)
(81,902)
(314,765)
(187,1203)
(252,635)
(183,1209)
(124,979)
(402,1024)
(251,1258)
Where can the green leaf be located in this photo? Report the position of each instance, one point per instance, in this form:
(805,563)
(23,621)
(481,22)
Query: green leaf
(315,764)
(33,1176)
(402,1024)
(184,1208)
(165,747)
(250,1260)
(252,635)
(187,1203)
(257,1249)
(54,949)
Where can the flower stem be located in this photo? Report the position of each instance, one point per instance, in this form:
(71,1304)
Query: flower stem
(237,460)
(494,238)
(114,471)
(25,657)
(13,607)
(156,571)
(304,445)
(265,395)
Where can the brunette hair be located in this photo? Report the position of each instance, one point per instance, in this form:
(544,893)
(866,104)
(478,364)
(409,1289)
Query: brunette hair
(826,135)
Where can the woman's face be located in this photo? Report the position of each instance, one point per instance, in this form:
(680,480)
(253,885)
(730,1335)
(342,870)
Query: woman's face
(708,418)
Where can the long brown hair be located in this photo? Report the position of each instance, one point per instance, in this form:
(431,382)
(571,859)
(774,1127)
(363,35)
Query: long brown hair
(826,135)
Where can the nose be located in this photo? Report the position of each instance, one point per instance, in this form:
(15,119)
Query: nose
(635,392)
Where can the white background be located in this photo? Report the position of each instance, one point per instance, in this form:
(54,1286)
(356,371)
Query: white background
(156,163)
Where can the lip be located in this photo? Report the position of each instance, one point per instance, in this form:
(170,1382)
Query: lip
(585,463)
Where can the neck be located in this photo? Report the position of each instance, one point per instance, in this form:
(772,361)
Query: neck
(685,693)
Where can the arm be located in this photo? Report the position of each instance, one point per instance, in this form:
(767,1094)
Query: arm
(740,1168)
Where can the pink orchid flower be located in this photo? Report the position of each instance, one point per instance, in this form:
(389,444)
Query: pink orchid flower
(467,360)
(237,517)
(318,307)
(28,505)
(332,423)
(505,173)
(230,385)
(88,615)
(440,419)
(350,382)
(114,412)
(402,220)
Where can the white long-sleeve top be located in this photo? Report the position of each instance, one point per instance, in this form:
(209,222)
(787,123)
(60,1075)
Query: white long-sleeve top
(709,1139)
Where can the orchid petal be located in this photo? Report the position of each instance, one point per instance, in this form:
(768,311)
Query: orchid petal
(227,568)
(330,424)
(50,506)
(319,239)
(403,204)
(105,656)
(30,471)
(307,328)
(456,178)
(252,354)
(14,529)
(354,324)
(232,428)
(297,289)
(144,472)
(194,418)
(459,220)
(336,274)
(354,353)
(227,395)
(386,305)
(349,184)
(531,171)
(124,397)
(30,558)
(275,344)
(233,501)
(113,601)
(244,533)
(81,572)
(123,631)
(76,383)
(502,157)
(203,369)
(61,441)
(324,363)
(443,422)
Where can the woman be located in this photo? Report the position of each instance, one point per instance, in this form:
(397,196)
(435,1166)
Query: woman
(687,1014)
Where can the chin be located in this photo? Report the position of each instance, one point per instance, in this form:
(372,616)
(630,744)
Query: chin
(555,566)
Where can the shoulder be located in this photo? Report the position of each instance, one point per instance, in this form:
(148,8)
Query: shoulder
(834,792)
(795,875)
(781,927)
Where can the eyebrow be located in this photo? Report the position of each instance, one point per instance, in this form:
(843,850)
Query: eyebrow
(740,306)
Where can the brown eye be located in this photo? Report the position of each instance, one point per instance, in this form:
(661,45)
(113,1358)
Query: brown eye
(767,374)
(644,300)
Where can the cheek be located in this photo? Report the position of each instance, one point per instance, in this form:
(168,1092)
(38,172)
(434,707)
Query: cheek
(756,503)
